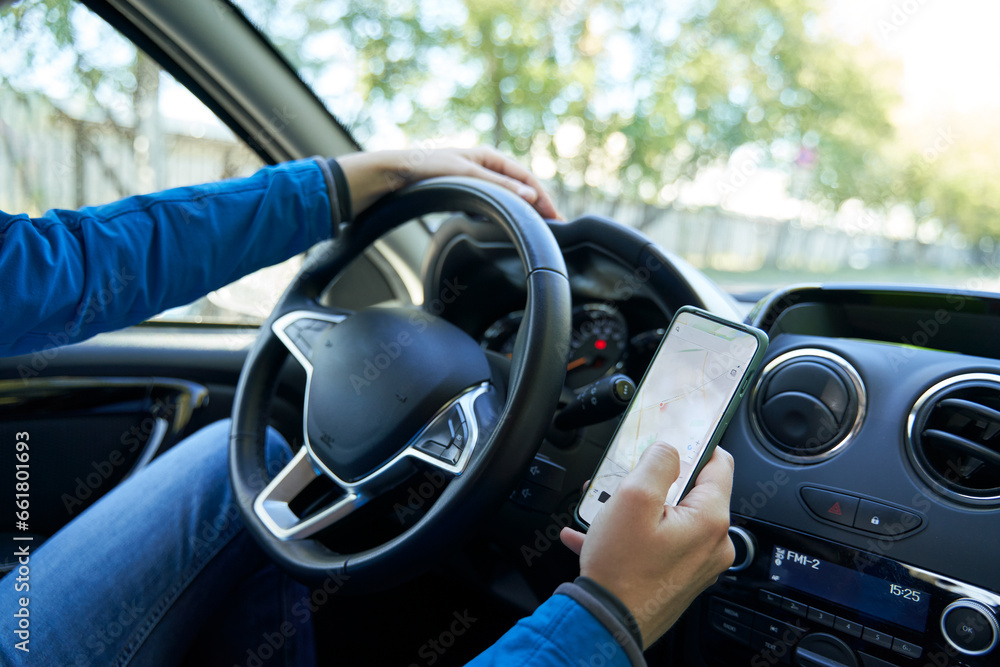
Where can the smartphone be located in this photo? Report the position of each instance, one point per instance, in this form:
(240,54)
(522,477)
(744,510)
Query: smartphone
(688,395)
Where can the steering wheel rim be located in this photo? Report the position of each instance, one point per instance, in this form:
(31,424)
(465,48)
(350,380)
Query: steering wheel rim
(536,378)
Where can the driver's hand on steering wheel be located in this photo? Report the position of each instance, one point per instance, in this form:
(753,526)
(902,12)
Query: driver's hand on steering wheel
(372,175)
(656,558)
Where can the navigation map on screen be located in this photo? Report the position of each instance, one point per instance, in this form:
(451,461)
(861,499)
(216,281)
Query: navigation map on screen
(684,395)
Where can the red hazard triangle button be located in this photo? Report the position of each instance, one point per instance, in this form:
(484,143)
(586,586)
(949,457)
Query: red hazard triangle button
(831,506)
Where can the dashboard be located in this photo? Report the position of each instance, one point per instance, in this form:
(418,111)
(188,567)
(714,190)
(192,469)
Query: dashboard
(866,501)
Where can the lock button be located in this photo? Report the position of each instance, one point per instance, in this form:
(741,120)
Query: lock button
(884,520)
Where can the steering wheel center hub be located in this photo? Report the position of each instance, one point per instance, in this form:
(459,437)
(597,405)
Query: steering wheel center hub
(379,377)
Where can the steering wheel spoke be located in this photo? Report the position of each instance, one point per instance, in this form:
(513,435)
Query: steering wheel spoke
(302,330)
(273,505)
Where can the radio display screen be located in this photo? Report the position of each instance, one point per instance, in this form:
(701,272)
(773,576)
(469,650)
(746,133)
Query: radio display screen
(899,602)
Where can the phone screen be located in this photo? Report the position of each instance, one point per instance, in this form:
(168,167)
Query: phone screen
(696,373)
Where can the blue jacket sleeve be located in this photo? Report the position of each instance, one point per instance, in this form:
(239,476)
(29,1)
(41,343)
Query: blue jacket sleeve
(561,633)
(69,275)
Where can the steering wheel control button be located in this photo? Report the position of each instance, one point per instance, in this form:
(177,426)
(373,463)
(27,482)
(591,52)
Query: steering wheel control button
(831,506)
(970,626)
(431,447)
(731,629)
(731,611)
(848,627)
(545,473)
(795,607)
(885,520)
(821,617)
(877,638)
(906,648)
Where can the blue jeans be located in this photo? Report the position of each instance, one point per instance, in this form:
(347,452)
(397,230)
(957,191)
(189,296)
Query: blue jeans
(160,572)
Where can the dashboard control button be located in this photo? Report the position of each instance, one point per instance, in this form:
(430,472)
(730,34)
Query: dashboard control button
(970,627)
(877,638)
(830,505)
(535,497)
(906,648)
(771,650)
(796,608)
(733,612)
(546,473)
(884,520)
(852,628)
(872,661)
(731,629)
(777,629)
(770,598)
(746,548)
(822,617)
(823,650)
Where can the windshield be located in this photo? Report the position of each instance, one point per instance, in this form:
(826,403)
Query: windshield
(766,142)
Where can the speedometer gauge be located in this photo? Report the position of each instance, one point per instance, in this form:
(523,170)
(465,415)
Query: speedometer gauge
(598,343)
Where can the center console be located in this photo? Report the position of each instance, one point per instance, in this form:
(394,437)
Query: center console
(866,499)
(798,600)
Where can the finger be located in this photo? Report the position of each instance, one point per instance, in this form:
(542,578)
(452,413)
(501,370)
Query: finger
(657,468)
(585,485)
(499,163)
(714,483)
(573,539)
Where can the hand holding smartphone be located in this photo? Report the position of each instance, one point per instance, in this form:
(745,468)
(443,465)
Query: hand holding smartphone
(686,398)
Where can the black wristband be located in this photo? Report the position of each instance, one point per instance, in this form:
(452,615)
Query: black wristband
(615,605)
(343,191)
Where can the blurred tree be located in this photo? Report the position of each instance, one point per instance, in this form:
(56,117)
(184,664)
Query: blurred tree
(59,50)
(627,97)
(631,97)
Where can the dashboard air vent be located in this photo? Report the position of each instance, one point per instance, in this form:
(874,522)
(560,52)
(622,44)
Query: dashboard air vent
(953,438)
(807,405)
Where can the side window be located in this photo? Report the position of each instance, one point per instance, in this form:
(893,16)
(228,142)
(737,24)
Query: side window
(87,118)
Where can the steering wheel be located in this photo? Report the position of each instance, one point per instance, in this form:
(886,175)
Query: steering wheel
(398,394)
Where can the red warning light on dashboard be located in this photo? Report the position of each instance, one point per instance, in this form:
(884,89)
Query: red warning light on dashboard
(835,509)
(600,344)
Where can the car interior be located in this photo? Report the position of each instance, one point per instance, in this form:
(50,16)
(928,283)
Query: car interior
(867,446)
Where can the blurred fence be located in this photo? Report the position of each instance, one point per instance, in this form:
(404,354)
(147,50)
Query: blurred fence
(49,159)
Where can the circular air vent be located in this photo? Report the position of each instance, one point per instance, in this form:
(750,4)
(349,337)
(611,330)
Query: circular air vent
(807,405)
(953,438)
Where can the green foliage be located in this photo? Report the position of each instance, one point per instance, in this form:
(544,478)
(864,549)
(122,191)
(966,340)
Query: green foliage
(624,96)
